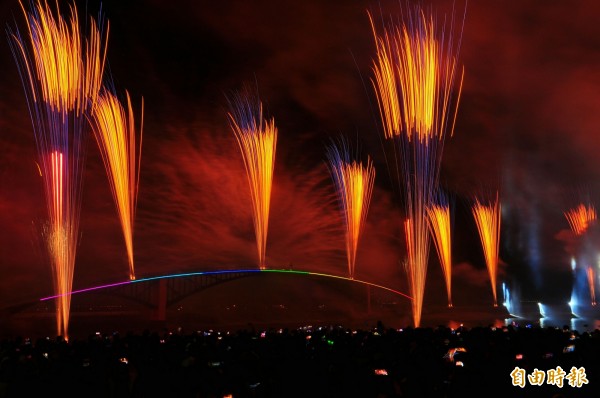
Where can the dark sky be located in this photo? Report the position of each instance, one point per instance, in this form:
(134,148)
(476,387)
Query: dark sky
(527,125)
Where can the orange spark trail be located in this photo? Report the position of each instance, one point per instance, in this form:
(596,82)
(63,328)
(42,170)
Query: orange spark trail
(440,226)
(488,218)
(591,282)
(61,71)
(257,139)
(58,239)
(415,70)
(115,134)
(580,218)
(354,182)
(414,269)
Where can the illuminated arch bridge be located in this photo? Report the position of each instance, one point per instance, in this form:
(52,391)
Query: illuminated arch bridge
(162,292)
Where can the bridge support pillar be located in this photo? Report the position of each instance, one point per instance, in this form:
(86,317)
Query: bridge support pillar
(368,299)
(160,307)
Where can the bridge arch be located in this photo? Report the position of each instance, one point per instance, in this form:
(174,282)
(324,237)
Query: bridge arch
(226,275)
(158,293)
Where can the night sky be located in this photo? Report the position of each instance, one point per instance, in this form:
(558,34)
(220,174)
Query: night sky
(528,125)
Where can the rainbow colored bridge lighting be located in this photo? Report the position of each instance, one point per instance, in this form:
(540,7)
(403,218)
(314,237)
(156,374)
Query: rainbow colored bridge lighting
(235,271)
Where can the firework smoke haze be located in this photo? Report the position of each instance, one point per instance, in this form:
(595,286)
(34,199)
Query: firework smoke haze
(488,218)
(61,73)
(415,71)
(115,133)
(257,139)
(441,228)
(206,219)
(354,186)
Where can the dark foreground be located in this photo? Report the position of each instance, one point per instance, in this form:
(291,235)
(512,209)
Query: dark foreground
(308,362)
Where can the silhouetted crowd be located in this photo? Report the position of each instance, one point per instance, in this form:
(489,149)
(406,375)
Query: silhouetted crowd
(308,362)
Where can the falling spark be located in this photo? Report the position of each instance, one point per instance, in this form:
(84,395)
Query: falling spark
(440,226)
(354,182)
(591,281)
(257,139)
(487,218)
(580,218)
(115,134)
(61,73)
(415,70)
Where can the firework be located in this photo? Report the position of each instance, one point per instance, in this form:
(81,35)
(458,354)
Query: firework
(58,239)
(591,281)
(115,134)
(354,182)
(415,70)
(257,139)
(487,218)
(61,73)
(440,227)
(580,218)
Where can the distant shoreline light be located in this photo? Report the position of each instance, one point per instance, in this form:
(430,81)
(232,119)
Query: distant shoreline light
(248,271)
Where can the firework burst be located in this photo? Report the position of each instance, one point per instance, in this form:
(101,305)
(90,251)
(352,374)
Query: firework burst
(257,139)
(440,226)
(61,73)
(114,129)
(354,186)
(415,70)
(487,218)
(580,218)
